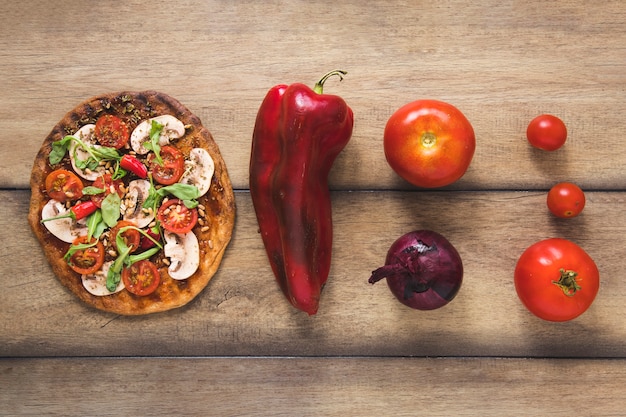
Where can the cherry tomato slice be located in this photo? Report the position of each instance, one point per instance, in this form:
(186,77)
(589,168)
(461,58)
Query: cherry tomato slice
(63,185)
(87,261)
(141,278)
(176,217)
(109,185)
(172,168)
(111,131)
(566,200)
(131,237)
(546,132)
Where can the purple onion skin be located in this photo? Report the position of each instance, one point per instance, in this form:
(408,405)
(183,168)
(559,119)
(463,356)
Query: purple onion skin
(423,270)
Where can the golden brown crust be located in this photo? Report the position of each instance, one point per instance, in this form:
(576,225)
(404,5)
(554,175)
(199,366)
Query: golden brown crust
(133,107)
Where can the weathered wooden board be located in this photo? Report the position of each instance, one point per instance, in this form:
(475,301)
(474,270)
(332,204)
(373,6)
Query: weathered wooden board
(500,62)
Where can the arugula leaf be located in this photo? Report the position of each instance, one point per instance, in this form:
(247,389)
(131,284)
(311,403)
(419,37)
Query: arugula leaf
(111,209)
(156,129)
(59,149)
(74,248)
(186,192)
(95,225)
(91,190)
(125,259)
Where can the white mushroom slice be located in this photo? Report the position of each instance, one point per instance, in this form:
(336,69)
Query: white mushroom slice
(65,229)
(199,170)
(76,151)
(184,253)
(172,129)
(132,205)
(96,284)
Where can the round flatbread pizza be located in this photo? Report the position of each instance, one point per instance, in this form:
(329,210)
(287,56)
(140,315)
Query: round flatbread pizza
(132,203)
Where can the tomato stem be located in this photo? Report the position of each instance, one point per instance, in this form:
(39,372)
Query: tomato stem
(567,282)
(428,139)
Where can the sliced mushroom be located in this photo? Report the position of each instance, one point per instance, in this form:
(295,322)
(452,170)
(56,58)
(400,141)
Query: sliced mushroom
(184,253)
(65,229)
(132,207)
(199,170)
(172,129)
(96,284)
(77,152)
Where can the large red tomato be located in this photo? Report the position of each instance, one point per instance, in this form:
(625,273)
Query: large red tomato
(556,279)
(429,143)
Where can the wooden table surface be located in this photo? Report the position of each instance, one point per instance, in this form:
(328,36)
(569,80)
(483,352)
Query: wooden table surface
(239,348)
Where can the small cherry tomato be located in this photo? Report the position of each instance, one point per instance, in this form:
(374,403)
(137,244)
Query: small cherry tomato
(556,279)
(131,236)
(111,131)
(429,143)
(87,260)
(566,200)
(546,132)
(63,185)
(141,278)
(172,168)
(176,217)
(109,185)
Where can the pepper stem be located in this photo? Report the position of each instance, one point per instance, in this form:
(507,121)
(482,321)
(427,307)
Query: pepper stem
(319,86)
(567,282)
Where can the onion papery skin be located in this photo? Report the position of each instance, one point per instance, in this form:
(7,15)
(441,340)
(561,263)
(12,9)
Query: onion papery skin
(423,269)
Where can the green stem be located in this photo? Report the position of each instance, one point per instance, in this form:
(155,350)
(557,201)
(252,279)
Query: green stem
(567,282)
(319,86)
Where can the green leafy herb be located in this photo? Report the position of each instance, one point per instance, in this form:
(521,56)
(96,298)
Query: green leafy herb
(96,153)
(75,248)
(125,259)
(95,225)
(111,209)
(156,129)
(186,192)
(59,149)
(91,190)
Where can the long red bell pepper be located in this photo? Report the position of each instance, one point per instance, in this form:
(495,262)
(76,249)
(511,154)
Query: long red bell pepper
(298,133)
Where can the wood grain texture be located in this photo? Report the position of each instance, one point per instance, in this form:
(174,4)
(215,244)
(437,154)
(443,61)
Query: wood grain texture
(242,311)
(312,387)
(501,63)
(239,348)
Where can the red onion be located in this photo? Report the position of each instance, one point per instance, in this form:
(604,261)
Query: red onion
(423,270)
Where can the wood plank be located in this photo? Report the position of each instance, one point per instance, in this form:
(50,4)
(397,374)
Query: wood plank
(312,387)
(242,312)
(501,63)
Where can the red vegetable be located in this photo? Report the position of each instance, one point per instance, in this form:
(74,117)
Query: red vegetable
(566,200)
(111,131)
(76,212)
(556,279)
(423,270)
(546,132)
(63,185)
(429,143)
(134,165)
(297,136)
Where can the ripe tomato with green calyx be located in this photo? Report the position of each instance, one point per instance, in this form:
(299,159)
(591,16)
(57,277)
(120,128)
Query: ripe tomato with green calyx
(566,200)
(429,143)
(556,279)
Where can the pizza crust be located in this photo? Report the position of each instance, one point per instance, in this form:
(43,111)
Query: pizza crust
(219,203)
